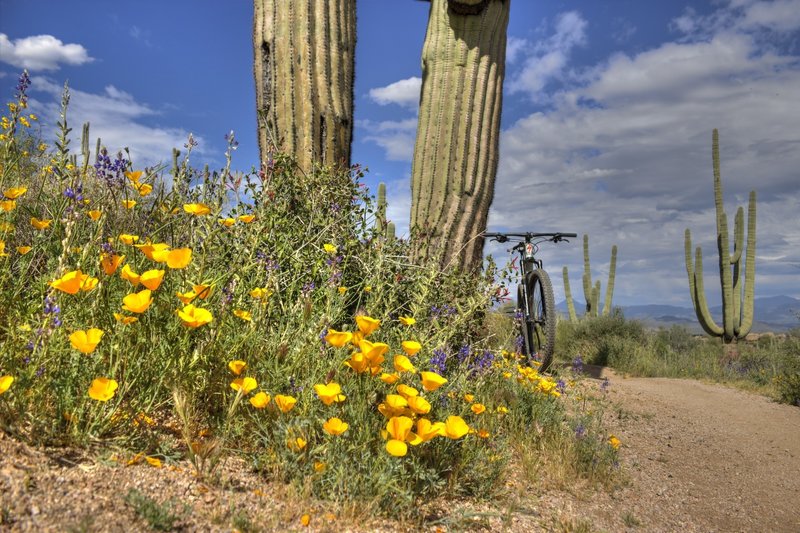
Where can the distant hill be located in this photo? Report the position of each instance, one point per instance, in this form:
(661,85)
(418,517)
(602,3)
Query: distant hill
(773,313)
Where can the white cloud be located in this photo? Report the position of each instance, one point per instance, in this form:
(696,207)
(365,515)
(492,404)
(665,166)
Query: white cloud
(115,117)
(41,52)
(778,15)
(395,137)
(626,157)
(547,60)
(514,48)
(404,93)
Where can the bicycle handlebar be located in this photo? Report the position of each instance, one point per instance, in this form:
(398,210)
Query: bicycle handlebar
(504,237)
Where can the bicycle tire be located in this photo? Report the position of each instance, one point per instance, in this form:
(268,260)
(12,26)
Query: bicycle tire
(543,313)
(524,328)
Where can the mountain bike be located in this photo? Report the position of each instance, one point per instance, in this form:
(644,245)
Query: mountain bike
(535,301)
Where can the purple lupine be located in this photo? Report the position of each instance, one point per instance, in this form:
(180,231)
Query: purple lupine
(604,385)
(23,83)
(580,431)
(439,361)
(577,365)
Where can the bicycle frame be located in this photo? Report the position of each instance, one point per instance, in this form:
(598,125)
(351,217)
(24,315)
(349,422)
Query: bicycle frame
(538,326)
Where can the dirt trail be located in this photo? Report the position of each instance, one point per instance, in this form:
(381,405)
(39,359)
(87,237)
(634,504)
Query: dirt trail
(703,457)
(699,457)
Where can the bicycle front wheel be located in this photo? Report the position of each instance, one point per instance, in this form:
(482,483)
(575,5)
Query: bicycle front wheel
(542,308)
(525,326)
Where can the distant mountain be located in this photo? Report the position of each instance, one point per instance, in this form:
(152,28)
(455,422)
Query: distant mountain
(773,313)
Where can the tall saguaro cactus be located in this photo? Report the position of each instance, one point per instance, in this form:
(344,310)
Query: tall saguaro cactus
(737,300)
(304,54)
(456,150)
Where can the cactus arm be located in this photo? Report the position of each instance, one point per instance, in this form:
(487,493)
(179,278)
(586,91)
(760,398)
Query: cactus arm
(573,317)
(701,306)
(596,298)
(750,269)
(687,250)
(726,277)
(587,274)
(736,263)
(610,285)
(380,215)
(390,231)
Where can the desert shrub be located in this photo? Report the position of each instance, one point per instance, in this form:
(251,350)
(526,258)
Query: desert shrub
(236,302)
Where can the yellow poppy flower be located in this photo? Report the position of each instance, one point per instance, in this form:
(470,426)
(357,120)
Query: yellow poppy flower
(70,282)
(406,392)
(197,210)
(407,320)
(134,176)
(367,324)
(128,204)
(247,218)
(396,447)
(227,222)
(614,442)
(305,520)
(150,250)
(285,403)
(260,400)
(5,383)
(455,427)
(3,249)
(329,248)
(403,364)
(245,385)
(137,302)
(469,397)
(14,192)
(261,293)
(477,408)
(8,205)
(431,380)
(357,362)
(22,250)
(94,214)
(110,263)
(373,351)
(332,392)
(179,258)
(40,224)
(129,275)
(152,279)
(86,341)
(319,466)
(342,290)
(389,379)
(237,366)
(194,317)
(125,320)
(102,389)
(427,430)
(144,189)
(419,405)
(396,402)
(338,339)
(202,291)
(334,426)
(153,461)
(128,238)
(186,297)
(89,283)
(297,444)
(502,409)
(411,347)
(244,315)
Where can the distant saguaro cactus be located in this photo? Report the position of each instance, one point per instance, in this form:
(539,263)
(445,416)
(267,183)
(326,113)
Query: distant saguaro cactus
(304,61)
(456,150)
(573,317)
(737,301)
(592,292)
(380,214)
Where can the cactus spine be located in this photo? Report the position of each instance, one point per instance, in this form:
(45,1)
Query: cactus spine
(737,300)
(573,317)
(456,149)
(304,59)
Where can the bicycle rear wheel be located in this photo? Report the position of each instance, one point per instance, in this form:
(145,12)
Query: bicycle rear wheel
(542,307)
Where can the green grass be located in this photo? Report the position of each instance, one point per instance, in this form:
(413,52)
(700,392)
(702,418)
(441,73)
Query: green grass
(279,258)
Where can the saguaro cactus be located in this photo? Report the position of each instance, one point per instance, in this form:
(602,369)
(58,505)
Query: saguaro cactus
(456,150)
(380,214)
(573,317)
(304,54)
(737,300)
(592,292)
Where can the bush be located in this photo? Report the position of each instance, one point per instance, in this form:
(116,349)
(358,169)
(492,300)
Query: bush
(242,303)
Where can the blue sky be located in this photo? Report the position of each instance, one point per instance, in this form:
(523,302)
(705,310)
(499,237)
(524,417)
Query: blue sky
(607,119)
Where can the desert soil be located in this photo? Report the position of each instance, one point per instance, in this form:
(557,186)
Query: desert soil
(694,456)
